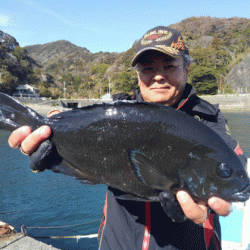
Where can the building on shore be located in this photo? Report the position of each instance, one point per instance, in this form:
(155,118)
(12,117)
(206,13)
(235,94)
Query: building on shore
(26,91)
(106,97)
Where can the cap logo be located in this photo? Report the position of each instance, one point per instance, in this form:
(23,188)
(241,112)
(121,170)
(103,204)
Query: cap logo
(168,49)
(156,35)
(179,45)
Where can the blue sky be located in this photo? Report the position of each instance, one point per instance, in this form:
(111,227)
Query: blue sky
(103,25)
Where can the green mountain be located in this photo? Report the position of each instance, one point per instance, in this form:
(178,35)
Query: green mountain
(16,66)
(217,46)
(84,74)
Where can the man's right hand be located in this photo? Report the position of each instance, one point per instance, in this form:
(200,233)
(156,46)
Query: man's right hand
(27,140)
(42,152)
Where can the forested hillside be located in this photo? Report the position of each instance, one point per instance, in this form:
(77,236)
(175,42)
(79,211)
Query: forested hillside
(15,64)
(84,74)
(216,46)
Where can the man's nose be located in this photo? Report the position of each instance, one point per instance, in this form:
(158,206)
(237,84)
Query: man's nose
(160,74)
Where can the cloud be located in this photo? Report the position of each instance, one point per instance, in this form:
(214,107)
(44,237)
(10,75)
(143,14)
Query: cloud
(4,20)
(44,11)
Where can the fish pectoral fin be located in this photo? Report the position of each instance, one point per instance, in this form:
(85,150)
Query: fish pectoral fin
(148,172)
(171,207)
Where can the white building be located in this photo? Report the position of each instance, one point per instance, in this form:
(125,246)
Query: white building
(107,97)
(26,91)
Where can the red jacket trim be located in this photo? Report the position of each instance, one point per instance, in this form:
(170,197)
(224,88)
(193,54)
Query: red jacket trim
(105,215)
(183,104)
(209,232)
(208,229)
(238,150)
(145,244)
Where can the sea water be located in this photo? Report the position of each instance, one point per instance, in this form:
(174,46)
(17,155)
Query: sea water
(239,124)
(51,204)
(48,200)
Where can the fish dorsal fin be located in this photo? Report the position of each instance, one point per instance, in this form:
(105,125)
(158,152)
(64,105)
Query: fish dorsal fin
(148,172)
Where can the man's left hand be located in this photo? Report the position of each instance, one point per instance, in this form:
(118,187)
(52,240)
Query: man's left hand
(198,213)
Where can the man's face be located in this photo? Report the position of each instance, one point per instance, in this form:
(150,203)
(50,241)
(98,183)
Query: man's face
(162,79)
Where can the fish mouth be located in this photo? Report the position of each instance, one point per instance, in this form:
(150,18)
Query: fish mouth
(242,195)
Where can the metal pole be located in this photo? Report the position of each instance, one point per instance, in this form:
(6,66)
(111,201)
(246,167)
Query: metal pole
(109,86)
(64,89)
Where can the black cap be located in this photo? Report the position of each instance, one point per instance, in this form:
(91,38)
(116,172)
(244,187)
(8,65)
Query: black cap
(163,39)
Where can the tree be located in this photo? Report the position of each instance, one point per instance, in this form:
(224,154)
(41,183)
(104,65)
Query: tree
(3,50)
(55,92)
(44,91)
(127,82)
(20,53)
(204,80)
(99,69)
(7,83)
(216,43)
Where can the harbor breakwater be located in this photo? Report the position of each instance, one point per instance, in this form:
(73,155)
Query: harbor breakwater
(226,102)
(230,102)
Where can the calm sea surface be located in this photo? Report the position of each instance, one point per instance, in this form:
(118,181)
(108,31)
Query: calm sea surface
(53,200)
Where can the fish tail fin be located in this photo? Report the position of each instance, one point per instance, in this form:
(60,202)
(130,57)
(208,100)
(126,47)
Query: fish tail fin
(13,114)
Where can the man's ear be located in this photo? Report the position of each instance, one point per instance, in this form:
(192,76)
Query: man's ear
(187,71)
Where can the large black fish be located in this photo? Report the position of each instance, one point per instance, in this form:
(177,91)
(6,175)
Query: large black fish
(144,149)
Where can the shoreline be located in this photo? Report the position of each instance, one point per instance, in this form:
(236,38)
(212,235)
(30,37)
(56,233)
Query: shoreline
(44,109)
(227,103)
(230,103)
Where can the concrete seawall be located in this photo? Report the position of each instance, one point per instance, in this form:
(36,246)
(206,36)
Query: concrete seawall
(22,242)
(226,103)
(230,102)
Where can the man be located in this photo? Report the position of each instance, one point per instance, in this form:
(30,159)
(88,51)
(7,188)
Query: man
(162,64)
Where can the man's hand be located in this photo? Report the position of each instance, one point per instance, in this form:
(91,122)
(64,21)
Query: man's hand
(42,152)
(198,213)
(27,140)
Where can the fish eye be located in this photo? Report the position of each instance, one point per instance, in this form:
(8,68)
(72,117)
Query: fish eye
(224,171)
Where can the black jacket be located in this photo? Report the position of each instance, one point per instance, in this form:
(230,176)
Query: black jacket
(144,225)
